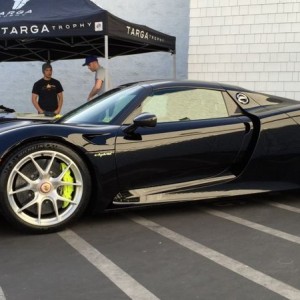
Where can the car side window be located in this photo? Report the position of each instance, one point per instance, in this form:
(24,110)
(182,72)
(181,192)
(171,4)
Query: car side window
(185,105)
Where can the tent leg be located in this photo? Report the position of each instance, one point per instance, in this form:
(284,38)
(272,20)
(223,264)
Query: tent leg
(174,66)
(49,57)
(106,82)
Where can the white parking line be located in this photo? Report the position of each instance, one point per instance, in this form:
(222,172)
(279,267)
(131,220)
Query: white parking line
(2,296)
(121,279)
(241,269)
(265,229)
(284,206)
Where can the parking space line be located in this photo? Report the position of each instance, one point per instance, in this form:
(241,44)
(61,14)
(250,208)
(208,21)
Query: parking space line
(120,278)
(2,296)
(239,268)
(281,234)
(284,206)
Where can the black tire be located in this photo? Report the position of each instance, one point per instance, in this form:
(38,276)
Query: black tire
(44,187)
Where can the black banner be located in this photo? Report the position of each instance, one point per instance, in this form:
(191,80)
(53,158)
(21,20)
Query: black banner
(71,29)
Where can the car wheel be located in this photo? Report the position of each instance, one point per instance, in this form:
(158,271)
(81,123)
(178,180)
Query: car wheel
(44,187)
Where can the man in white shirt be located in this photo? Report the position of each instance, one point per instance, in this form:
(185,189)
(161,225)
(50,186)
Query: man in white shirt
(94,66)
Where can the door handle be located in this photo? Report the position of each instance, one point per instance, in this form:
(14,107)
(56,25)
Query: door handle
(247,127)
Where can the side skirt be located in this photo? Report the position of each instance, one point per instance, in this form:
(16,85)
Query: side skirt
(171,192)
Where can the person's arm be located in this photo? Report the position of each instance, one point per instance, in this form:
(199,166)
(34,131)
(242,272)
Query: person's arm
(60,100)
(96,89)
(34,99)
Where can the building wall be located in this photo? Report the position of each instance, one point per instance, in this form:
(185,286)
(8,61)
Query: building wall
(251,43)
(168,16)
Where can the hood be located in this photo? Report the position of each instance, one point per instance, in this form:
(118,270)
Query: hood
(7,124)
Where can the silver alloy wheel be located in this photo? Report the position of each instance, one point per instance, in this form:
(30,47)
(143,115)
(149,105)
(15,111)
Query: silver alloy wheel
(36,188)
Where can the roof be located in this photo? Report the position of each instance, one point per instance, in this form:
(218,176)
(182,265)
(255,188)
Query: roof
(69,29)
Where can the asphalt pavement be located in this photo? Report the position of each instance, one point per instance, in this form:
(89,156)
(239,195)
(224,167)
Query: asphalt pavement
(234,248)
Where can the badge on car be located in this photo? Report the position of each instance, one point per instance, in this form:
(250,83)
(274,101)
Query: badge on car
(242,98)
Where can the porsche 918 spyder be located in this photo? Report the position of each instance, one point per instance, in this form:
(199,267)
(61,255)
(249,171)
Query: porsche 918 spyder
(146,143)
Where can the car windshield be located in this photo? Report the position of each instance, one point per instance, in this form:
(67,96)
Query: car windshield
(104,109)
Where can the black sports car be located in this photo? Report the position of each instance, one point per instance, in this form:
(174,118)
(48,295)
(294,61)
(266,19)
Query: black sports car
(149,142)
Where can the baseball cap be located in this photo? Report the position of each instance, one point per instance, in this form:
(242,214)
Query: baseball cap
(90,59)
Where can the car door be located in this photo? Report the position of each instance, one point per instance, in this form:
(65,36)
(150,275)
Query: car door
(196,140)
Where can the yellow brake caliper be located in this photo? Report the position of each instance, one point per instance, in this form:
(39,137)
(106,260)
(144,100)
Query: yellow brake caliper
(67,190)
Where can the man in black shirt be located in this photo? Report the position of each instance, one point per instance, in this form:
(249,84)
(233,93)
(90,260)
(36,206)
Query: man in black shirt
(47,93)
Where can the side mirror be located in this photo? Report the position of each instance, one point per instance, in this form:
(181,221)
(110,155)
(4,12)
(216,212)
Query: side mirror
(145,120)
(142,120)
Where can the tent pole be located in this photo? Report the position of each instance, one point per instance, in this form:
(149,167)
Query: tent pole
(174,66)
(106,82)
